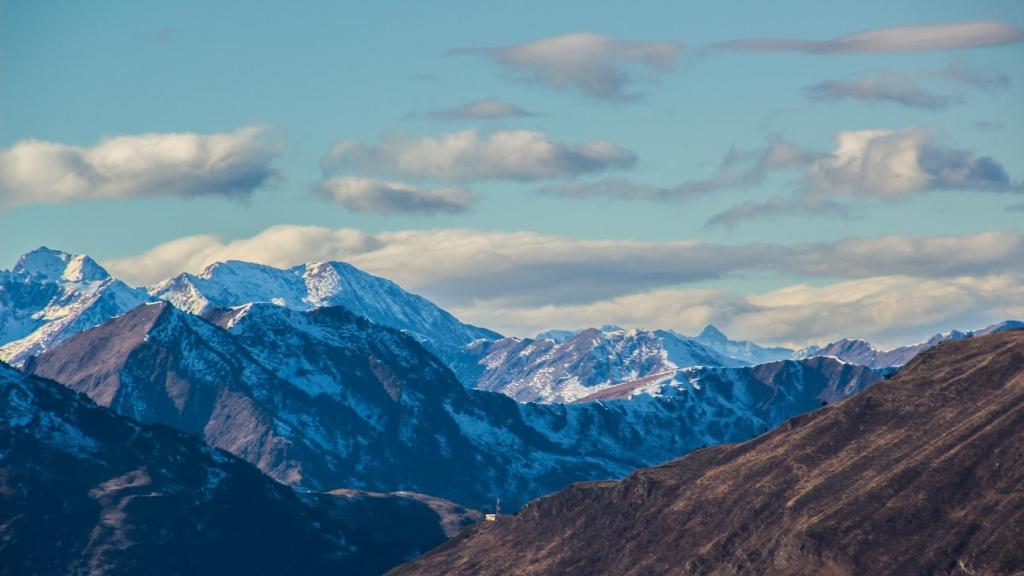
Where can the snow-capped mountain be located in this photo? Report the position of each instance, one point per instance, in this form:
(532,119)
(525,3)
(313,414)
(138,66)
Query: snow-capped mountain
(86,491)
(325,398)
(50,295)
(743,350)
(567,369)
(307,286)
(862,352)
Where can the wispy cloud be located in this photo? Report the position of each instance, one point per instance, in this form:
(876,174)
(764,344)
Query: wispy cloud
(739,168)
(468,156)
(885,87)
(379,197)
(597,65)
(984,77)
(487,109)
(173,164)
(918,38)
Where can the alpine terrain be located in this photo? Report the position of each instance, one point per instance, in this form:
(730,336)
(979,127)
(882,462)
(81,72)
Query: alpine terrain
(326,399)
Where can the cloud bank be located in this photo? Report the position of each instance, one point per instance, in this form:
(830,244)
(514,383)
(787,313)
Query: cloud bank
(184,164)
(522,282)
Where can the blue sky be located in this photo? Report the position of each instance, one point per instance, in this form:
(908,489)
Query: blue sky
(313,74)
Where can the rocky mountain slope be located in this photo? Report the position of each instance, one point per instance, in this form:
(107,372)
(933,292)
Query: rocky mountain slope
(920,474)
(307,286)
(327,399)
(85,491)
(861,352)
(546,370)
(50,295)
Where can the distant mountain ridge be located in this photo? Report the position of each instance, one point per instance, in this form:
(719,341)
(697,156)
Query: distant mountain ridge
(544,370)
(862,352)
(743,350)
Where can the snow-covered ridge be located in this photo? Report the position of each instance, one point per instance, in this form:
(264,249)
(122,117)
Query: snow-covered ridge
(316,284)
(546,370)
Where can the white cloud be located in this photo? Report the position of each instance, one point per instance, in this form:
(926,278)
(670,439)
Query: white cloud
(378,197)
(897,163)
(897,39)
(486,109)
(174,164)
(468,156)
(594,64)
(879,165)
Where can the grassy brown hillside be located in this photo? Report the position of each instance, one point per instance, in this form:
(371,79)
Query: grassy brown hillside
(920,474)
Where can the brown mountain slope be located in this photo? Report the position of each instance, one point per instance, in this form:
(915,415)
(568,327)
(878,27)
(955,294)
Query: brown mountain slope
(921,474)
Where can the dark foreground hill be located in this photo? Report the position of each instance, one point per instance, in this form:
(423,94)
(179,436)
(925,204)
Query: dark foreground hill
(85,491)
(921,474)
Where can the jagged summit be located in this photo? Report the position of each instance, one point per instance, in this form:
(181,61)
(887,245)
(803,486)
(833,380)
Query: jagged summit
(710,332)
(56,266)
(743,350)
(50,295)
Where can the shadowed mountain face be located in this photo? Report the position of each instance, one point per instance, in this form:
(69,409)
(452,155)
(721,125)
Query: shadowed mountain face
(326,399)
(85,491)
(920,474)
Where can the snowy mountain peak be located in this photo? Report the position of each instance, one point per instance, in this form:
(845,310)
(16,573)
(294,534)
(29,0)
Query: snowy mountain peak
(318,284)
(50,295)
(711,333)
(56,266)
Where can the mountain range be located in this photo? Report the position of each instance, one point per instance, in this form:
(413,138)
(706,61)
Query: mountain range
(326,399)
(545,370)
(920,474)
